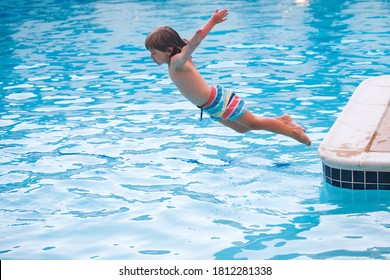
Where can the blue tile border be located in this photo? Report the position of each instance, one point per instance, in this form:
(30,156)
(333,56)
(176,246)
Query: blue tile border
(356,179)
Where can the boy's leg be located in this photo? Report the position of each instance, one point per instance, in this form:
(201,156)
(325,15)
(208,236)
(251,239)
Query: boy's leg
(235,126)
(282,125)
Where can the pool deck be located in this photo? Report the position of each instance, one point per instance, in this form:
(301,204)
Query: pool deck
(359,140)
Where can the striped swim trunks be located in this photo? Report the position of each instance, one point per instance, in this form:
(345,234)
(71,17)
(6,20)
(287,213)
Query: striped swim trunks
(224,104)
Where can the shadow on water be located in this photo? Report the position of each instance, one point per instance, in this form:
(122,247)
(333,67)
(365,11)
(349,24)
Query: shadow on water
(355,201)
(331,204)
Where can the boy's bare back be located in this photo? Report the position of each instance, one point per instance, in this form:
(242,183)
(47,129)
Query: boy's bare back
(190,82)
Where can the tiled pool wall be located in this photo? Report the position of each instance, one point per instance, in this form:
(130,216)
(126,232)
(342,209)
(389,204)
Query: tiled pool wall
(356,179)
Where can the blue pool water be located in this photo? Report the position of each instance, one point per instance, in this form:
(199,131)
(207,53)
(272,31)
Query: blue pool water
(102,158)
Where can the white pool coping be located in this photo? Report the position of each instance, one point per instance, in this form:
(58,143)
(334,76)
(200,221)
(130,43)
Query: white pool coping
(360,137)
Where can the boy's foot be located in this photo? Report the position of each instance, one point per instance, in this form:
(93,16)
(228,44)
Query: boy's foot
(300,136)
(286,119)
(298,130)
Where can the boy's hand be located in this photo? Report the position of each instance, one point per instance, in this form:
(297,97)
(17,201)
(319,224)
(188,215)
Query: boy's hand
(193,43)
(217,17)
(220,16)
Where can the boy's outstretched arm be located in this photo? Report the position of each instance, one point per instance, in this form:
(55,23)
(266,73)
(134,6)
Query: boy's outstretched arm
(217,17)
(180,59)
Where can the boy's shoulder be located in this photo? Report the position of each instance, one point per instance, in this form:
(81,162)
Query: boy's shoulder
(177,63)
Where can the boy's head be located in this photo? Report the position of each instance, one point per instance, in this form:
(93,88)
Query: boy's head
(165,39)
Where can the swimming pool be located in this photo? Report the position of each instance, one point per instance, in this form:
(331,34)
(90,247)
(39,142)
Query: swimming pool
(102,158)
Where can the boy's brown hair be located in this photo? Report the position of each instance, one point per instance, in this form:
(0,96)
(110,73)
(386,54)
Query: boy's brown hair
(164,37)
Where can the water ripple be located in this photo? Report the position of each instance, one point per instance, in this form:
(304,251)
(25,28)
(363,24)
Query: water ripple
(98,148)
